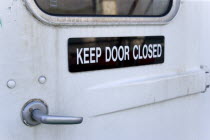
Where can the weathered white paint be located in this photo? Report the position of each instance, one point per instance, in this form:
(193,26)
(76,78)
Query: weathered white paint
(130,103)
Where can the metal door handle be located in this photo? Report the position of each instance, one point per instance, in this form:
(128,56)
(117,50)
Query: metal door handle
(41,117)
(36,112)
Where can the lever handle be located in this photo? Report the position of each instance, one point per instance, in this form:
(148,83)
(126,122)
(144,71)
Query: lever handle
(36,112)
(41,117)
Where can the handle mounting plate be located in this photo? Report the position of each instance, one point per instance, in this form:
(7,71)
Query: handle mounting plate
(29,107)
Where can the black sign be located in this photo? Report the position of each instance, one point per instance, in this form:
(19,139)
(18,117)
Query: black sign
(87,54)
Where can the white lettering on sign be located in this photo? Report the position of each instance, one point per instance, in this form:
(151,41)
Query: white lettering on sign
(108,54)
(127,49)
(121,53)
(92,54)
(159,50)
(150,51)
(147,51)
(79,57)
(114,53)
(98,53)
(88,55)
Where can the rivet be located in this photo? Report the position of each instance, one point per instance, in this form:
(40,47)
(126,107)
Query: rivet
(42,79)
(11,84)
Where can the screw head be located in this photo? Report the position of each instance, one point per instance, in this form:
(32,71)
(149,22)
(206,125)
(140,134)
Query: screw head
(42,79)
(11,84)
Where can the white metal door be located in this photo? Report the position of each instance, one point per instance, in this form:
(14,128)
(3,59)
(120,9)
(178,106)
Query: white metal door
(162,101)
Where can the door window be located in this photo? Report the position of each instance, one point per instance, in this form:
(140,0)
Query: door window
(105,7)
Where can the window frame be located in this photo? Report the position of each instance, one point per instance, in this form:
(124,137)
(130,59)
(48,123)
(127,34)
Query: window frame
(101,20)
